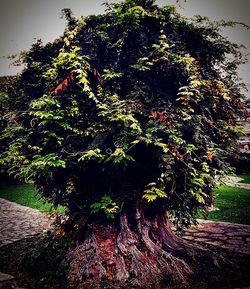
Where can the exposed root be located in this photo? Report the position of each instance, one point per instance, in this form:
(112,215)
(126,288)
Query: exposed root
(142,257)
(148,262)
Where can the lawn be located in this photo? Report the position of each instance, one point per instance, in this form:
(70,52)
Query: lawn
(233,204)
(27,195)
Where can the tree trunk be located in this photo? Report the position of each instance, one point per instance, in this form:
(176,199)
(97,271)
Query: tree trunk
(145,254)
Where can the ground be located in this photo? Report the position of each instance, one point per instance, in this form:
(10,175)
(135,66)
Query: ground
(237,237)
(21,226)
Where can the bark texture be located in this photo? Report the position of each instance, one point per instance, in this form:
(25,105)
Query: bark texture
(145,255)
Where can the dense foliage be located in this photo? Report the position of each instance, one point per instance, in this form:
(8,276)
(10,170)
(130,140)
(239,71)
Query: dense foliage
(242,164)
(137,104)
(46,263)
(9,105)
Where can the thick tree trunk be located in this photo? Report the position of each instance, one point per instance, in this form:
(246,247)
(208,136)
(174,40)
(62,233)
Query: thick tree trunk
(145,254)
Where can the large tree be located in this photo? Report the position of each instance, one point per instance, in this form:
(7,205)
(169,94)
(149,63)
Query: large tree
(126,120)
(9,106)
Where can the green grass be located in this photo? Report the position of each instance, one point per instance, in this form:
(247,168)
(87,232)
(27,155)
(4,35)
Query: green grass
(27,195)
(233,204)
(246,179)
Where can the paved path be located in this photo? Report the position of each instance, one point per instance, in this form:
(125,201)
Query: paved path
(235,182)
(18,222)
(235,237)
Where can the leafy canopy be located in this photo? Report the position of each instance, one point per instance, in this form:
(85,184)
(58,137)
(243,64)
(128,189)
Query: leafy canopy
(137,104)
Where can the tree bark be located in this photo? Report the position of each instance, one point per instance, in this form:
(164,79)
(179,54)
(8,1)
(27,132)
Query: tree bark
(144,255)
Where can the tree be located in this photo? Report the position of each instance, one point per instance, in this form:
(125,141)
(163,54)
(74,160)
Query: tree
(126,120)
(8,106)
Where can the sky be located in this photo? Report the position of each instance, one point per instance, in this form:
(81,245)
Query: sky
(24,21)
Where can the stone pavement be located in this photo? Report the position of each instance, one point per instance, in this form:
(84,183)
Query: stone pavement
(8,282)
(19,222)
(235,237)
(233,181)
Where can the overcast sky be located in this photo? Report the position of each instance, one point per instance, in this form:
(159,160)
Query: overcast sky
(23,20)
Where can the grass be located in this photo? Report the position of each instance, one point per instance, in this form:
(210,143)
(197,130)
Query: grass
(246,179)
(233,204)
(27,195)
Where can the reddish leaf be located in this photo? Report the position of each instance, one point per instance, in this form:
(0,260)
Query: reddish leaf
(161,117)
(154,115)
(209,156)
(61,87)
